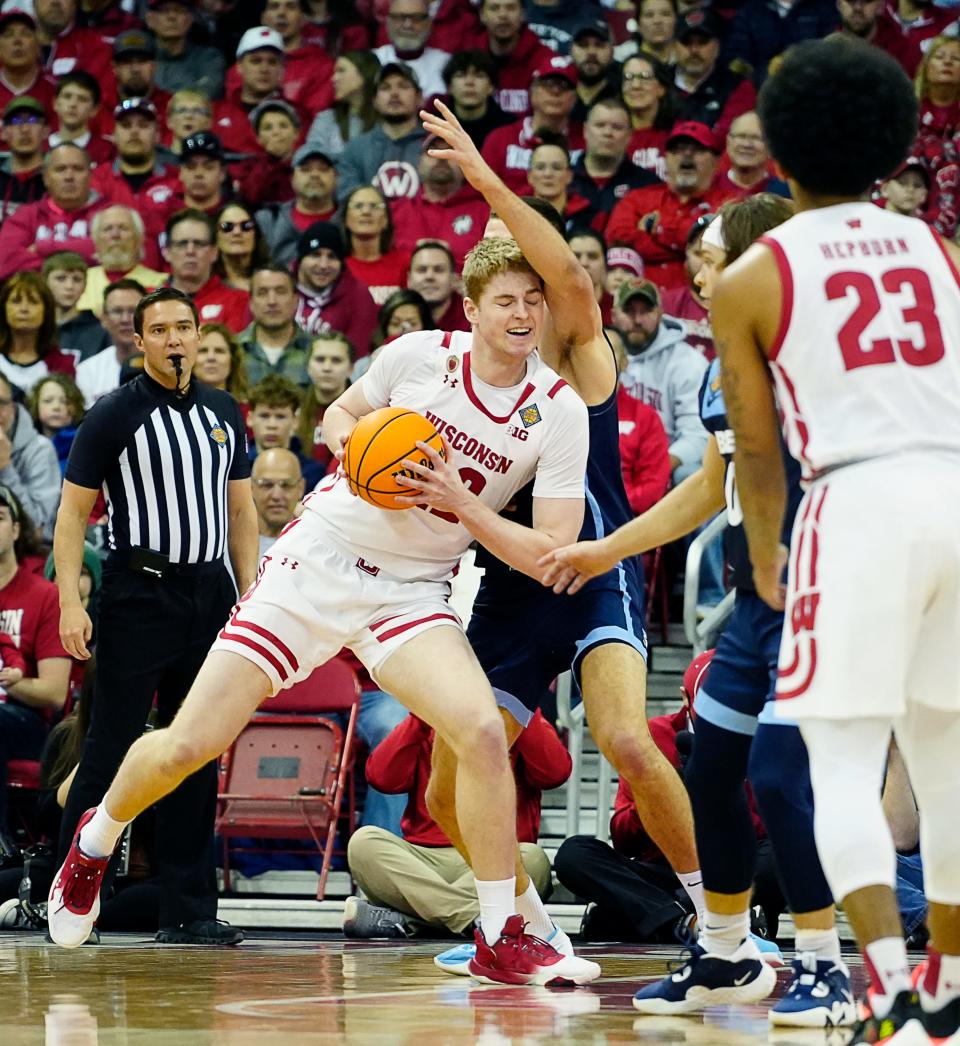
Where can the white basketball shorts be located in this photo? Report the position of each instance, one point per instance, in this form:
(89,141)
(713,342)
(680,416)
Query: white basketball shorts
(873,603)
(311,600)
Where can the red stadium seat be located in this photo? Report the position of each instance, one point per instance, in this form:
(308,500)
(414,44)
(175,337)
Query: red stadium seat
(286,775)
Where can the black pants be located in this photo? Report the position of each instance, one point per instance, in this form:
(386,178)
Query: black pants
(153,636)
(642,902)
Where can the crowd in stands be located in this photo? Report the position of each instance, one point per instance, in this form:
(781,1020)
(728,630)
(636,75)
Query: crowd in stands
(267,158)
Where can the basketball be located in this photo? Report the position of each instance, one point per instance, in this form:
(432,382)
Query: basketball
(377,446)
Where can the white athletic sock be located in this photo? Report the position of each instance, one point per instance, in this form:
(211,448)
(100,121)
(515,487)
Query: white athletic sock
(531,908)
(889,972)
(98,837)
(497,904)
(692,882)
(723,934)
(825,944)
(941,983)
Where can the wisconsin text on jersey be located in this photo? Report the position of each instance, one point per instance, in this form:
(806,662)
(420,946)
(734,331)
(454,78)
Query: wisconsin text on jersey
(469,446)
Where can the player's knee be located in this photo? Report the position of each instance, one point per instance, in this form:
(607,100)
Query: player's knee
(634,756)
(183,755)
(482,742)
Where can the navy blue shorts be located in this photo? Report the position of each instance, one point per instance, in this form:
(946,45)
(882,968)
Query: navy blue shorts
(742,678)
(524,644)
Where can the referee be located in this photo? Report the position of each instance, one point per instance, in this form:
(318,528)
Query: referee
(171,457)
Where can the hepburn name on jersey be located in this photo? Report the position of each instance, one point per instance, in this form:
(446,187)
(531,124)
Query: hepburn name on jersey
(863,248)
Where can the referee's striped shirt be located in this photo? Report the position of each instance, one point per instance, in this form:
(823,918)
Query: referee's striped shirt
(164,464)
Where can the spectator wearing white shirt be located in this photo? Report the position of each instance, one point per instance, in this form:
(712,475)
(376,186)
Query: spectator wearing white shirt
(408,27)
(100,374)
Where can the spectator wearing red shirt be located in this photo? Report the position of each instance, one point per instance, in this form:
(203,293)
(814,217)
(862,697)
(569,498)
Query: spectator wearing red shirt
(107,19)
(314,185)
(644,452)
(423,882)
(68,46)
(21,70)
(134,76)
(33,685)
(684,303)
(938,89)
(190,252)
(552,97)
(60,221)
(516,51)
(904,26)
(654,221)
(709,92)
(77,106)
(445,207)
(24,132)
(746,171)
(331,298)
(273,65)
(371,255)
(136,178)
(648,95)
(861,18)
(336,26)
(433,276)
(632,892)
(265,178)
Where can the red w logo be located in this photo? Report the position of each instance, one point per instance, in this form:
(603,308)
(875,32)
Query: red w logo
(803,615)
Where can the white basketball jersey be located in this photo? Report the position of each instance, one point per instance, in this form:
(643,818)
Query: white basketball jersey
(501,438)
(867,358)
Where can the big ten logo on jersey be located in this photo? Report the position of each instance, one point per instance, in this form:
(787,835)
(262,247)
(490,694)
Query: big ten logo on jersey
(798,652)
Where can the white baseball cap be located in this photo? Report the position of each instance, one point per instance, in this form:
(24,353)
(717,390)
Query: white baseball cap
(259,38)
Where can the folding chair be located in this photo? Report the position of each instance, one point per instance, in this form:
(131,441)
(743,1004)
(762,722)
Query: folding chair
(286,774)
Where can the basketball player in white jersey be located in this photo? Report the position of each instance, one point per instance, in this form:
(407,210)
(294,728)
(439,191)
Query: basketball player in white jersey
(609,662)
(349,574)
(853,314)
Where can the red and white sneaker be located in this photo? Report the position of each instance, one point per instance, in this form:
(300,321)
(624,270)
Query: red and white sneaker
(74,901)
(520,958)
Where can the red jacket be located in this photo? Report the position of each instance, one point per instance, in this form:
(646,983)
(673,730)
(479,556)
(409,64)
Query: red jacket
(401,763)
(508,150)
(263,180)
(43,89)
(152,201)
(644,452)
(453,318)
(218,303)
(626,832)
(79,48)
(307,83)
(515,70)
(349,309)
(663,245)
(39,229)
(903,40)
(458,221)
(232,127)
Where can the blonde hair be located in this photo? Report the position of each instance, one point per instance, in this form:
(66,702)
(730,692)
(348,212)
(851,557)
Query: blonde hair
(921,80)
(490,258)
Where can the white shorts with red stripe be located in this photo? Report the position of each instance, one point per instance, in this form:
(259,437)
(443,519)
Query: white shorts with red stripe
(873,602)
(310,600)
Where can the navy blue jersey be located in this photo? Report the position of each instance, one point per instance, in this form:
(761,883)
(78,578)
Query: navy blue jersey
(713,413)
(606,507)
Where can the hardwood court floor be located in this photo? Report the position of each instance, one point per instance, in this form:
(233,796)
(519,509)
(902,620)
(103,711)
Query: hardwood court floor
(275,990)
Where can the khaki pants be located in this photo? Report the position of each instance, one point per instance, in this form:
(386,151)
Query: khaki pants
(431,885)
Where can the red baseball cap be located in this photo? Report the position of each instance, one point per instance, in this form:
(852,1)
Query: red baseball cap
(696,673)
(695,131)
(556,65)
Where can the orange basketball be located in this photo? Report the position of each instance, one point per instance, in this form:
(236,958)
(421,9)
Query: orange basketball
(377,446)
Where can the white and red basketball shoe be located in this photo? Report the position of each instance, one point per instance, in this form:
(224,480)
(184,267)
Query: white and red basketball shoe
(520,958)
(74,901)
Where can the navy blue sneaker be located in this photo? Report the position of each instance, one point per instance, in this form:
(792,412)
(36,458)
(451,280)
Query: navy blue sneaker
(709,980)
(819,996)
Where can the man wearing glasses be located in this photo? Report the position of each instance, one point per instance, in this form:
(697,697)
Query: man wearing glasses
(277,487)
(24,130)
(408,29)
(190,252)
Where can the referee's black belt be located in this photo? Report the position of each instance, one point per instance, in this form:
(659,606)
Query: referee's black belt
(156,565)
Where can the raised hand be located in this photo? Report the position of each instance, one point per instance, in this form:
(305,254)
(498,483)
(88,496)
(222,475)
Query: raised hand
(462,150)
